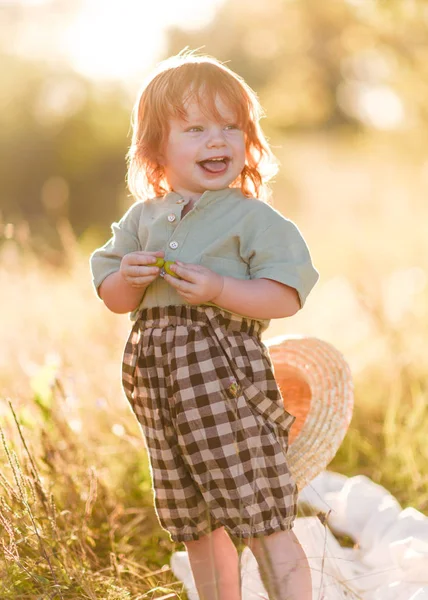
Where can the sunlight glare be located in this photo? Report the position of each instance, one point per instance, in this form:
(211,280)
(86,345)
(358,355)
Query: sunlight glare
(112,40)
(377,105)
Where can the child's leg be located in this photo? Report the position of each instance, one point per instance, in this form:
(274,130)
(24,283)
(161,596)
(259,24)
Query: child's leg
(215,566)
(284,568)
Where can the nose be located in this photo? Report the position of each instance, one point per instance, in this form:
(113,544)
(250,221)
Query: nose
(216,137)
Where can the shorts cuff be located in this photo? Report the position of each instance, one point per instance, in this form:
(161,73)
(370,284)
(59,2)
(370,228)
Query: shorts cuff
(187,534)
(264,529)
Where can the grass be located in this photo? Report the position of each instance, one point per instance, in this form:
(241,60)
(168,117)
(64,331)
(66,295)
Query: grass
(68,535)
(76,510)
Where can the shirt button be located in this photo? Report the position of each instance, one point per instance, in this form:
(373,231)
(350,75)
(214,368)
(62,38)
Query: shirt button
(171,218)
(180,201)
(173,245)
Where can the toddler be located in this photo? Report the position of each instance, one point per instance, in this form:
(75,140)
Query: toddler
(202,262)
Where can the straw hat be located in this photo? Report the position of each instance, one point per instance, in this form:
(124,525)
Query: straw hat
(316,385)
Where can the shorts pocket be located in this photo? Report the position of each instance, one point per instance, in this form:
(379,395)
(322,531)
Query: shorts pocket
(277,419)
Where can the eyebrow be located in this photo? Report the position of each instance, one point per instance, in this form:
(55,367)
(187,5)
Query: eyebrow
(201,118)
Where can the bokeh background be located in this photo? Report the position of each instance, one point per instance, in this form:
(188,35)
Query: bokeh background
(344,85)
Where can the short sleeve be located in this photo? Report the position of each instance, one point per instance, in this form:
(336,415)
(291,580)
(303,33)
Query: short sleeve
(106,260)
(280,253)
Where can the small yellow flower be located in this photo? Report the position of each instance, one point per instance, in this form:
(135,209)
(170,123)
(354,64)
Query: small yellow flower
(233,387)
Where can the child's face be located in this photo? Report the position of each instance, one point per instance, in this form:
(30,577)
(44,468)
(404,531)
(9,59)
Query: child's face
(199,139)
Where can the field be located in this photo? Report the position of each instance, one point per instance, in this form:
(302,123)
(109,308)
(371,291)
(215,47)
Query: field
(76,516)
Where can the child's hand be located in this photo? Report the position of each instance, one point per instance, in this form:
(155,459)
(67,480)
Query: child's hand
(138,268)
(197,284)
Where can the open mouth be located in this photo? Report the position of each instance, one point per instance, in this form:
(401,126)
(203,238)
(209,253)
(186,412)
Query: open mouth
(215,165)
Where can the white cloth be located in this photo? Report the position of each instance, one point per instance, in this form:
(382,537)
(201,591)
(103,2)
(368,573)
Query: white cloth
(389,560)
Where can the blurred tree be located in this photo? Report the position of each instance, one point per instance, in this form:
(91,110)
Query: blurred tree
(55,124)
(321,65)
(358,64)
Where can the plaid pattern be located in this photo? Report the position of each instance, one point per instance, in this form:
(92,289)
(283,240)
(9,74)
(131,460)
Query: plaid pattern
(201,384)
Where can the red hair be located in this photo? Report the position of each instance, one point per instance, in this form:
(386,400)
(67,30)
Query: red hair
(174,81)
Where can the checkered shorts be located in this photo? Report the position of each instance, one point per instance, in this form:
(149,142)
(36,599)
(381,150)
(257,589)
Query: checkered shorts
(201,384)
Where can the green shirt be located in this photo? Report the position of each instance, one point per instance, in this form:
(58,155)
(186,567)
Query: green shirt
(225,231)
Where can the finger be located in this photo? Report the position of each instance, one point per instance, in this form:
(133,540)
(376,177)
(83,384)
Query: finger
(140,281)
(184,272)
(142,271)
(181,285)
(140,255)
(186,265)
(191,267)
(141,259)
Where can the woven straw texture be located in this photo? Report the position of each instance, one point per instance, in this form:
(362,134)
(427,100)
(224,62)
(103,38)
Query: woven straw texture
(316,384)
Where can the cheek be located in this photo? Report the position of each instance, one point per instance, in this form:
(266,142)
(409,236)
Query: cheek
(180,157)
(179,150)
(241,144)
(242,152)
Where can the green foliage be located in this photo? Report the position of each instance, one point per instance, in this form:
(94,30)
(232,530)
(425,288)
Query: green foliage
(342,67)
(76,507)
(73,161)
(313,64)
(63,523)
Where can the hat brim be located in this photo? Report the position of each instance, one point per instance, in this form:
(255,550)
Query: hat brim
(331,401)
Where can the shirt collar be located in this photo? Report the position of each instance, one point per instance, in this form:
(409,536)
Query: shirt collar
(206,198)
